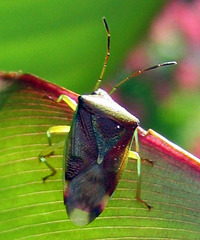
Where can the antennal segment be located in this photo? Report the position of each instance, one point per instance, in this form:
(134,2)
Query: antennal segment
(107,55)
(141,71)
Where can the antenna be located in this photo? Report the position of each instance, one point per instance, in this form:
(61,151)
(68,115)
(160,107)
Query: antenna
(107,55)
(141,71)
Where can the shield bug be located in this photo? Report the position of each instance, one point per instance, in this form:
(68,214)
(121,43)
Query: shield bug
(96,150)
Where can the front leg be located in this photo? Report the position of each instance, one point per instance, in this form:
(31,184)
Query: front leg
(70,102)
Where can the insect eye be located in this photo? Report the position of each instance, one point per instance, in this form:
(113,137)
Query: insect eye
(118,127)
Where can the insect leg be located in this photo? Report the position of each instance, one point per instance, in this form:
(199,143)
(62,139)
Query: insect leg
(46,152)
(70,102)
(135,155)
(56,129)
(49,150)
(59,130)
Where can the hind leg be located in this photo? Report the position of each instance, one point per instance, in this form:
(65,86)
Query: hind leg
(135,155)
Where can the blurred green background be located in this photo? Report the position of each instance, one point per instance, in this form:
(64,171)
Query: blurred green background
(65,43)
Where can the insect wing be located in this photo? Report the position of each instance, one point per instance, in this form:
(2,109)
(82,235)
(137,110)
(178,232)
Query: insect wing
(96,153)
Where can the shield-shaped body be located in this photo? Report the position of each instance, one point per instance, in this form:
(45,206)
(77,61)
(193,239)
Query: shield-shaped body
(95,155)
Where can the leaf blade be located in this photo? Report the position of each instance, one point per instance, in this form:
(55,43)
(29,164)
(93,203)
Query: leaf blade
(31,209)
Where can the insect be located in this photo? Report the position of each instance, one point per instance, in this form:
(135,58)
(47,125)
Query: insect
(96,150)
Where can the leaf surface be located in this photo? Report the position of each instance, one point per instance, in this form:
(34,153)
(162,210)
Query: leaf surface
(31,209)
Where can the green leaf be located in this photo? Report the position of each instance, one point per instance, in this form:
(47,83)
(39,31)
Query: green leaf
(31,209)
